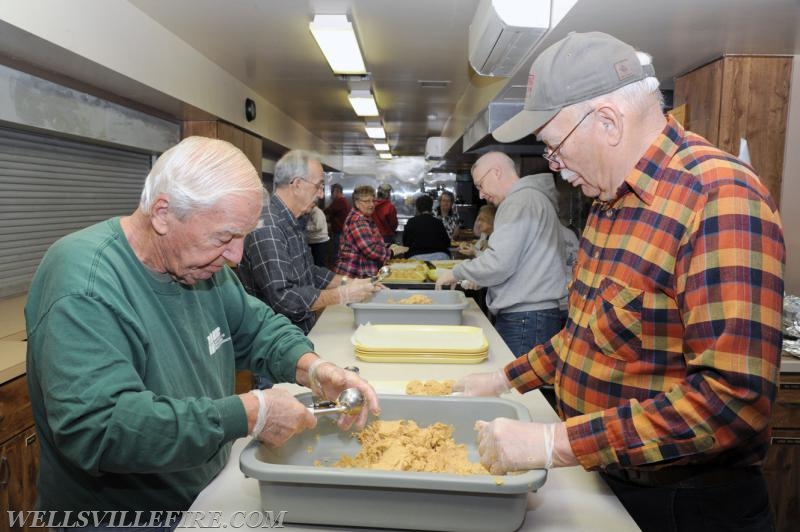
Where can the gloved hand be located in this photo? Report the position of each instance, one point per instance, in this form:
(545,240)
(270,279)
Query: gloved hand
(487,384)
(397,249)
(327,380)
(445,277)
(467,250)
(285,416)
(469,285)
(510,445)
(357,290)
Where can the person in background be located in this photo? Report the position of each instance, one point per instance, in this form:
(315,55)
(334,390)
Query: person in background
(317,233)
(522,267)
(276,265)
(447,213)
(483,226)
(666,371)
(336,212)
(385,214)
(571,245)
(135,328)
(424,235)
(362,251)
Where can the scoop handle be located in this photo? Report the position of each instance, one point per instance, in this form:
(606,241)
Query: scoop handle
(338,409)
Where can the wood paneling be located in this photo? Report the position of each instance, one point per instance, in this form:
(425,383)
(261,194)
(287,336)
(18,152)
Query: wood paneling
(249,144)
(19,451)
(780,465)
(700,91)
(741,97)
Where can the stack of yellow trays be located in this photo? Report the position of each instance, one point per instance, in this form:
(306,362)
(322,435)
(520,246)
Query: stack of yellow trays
(421,344)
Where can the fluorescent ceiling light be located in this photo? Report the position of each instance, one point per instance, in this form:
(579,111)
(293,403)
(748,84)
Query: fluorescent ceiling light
(337,40)
(381,146)
(385,155)
(363,103)
(375,130)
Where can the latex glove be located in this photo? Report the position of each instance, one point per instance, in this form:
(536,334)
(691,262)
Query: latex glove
(327,380)
(469,285)
(510,445)
(397,249)
(285,417)
(487,384)
(357,290)
(466,250)
(445,277)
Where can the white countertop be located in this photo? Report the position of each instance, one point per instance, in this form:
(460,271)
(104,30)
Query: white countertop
(571,499)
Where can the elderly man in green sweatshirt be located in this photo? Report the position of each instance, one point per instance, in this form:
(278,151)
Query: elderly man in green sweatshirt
(136,326)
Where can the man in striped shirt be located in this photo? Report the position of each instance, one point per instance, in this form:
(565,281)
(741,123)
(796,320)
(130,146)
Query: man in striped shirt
(666,370)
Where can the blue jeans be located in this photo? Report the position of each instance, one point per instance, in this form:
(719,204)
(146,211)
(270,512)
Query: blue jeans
(522,331)
(436,255)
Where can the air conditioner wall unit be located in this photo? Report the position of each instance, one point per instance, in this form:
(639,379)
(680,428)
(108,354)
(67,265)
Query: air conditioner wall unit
(503,32)
(435,148)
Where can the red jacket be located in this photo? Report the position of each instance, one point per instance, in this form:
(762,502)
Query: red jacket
(385,217)
(336,213)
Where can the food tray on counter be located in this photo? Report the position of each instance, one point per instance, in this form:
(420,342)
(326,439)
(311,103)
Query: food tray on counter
(447,308)
(289,480)
(404,339)
(421,358)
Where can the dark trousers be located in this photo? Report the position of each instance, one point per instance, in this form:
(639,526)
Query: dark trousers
(320,253)
(740,504)
(522,331)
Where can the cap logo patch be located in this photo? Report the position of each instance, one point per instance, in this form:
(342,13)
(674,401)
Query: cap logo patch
(624,69)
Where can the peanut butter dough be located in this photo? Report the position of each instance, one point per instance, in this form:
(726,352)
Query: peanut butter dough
(404,446)
(430,387)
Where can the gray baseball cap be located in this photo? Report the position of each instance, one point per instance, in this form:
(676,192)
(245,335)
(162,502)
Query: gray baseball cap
(579,67)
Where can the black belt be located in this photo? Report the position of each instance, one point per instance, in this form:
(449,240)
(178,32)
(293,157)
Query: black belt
(698,476)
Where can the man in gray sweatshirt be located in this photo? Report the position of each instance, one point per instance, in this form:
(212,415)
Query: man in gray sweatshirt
(523,267)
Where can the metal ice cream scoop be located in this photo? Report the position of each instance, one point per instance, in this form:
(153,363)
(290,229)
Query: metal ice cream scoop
(384,272)
(350,401)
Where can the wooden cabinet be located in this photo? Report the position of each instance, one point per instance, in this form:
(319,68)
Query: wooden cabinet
(781,465)
(19,451)
(247,142)
(741,97)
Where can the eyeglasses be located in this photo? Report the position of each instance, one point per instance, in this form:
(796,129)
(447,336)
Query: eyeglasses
(479,182)
(366,200)
(319,186)
(551,156)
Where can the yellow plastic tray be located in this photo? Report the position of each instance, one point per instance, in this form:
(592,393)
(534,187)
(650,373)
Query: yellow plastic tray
(420,358)
(405,339)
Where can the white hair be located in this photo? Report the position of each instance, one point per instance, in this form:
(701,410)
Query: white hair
(198,172)
(292,165)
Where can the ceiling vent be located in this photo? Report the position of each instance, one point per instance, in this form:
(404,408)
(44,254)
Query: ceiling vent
(503,32)
(435,148)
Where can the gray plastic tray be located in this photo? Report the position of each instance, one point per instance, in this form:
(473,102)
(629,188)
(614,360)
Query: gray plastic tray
(310,494)
(447,308)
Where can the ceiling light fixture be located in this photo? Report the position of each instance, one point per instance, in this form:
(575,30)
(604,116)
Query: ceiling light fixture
(363,103)
(381,146)
(375,130)
(337,40)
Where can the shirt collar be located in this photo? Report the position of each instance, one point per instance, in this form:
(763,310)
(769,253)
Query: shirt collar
(644,177)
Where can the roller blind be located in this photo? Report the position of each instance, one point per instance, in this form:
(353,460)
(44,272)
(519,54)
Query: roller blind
(50,187)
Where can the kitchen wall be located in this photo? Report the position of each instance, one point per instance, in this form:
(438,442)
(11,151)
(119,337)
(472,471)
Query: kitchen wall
(790,189)
(33,102)
(122,49)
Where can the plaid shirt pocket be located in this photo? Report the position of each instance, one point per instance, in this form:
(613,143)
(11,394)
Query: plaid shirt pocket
(617,321)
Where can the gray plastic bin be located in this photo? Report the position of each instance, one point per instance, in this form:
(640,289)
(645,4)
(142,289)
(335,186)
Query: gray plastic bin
(447,308)
(310,494)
